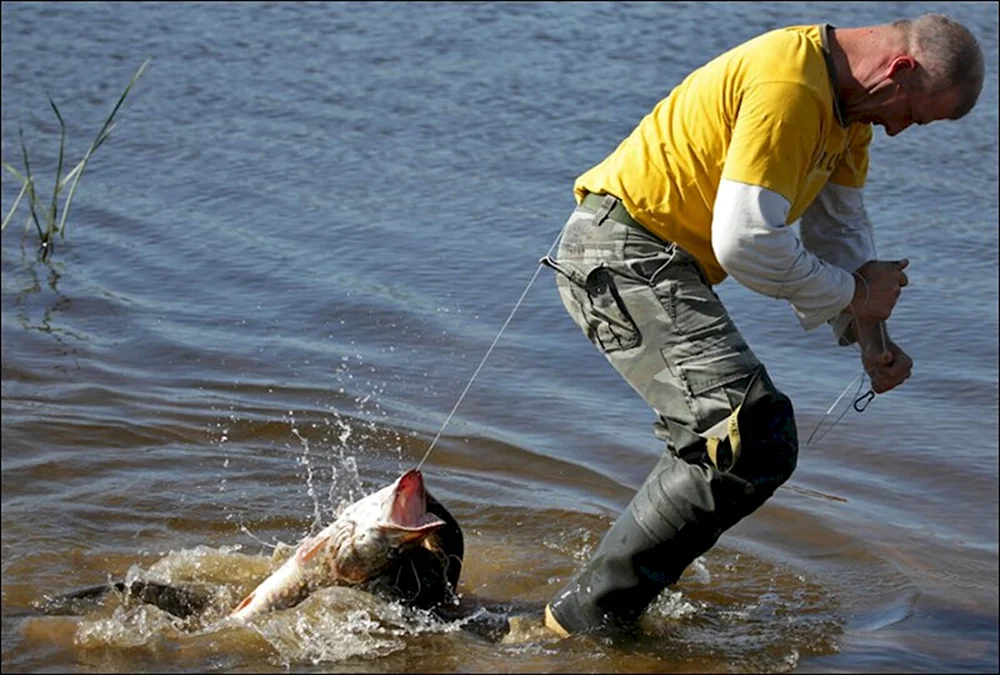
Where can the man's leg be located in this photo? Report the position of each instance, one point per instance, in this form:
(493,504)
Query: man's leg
(648,308)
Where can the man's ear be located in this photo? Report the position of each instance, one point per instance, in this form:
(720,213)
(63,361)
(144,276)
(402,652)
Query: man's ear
(901,63)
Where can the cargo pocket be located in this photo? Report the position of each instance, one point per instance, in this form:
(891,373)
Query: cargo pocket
(707,350)
(715,369)
(594,302)
(695,310)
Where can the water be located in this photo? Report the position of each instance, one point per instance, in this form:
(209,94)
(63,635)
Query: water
(284,266)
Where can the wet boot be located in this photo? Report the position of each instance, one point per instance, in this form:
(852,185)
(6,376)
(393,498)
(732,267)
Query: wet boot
(700,488)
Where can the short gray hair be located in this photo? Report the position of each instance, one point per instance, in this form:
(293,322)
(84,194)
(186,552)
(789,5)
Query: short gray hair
(950,54)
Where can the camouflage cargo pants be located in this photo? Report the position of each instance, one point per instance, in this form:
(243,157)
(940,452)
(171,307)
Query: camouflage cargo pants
(646,305)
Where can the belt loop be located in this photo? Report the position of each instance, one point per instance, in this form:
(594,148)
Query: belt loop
(607,204)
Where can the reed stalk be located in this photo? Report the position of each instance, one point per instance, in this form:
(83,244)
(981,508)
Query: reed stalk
(54,217)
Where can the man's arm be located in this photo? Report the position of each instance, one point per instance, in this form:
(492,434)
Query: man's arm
(770,152)
(836,229)
(836,226)
(754,245)
(771,260)
(886,364)
(756,248)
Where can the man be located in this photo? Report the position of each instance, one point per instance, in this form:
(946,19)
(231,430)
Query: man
(708,185)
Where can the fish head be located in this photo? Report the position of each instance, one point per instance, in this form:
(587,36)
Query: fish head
(385,524)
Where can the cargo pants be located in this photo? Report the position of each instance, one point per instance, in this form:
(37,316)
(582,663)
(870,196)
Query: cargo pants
(646,305)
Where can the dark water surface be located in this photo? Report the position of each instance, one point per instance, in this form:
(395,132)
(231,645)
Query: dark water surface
(283,268)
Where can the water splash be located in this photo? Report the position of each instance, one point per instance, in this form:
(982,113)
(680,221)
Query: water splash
(332,625)
(672,605)
(303,460)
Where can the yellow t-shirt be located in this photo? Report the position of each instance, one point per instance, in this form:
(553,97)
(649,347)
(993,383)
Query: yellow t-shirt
(762,113)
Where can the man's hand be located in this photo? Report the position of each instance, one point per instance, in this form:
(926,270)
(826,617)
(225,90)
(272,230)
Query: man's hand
(887,365)
(877,285)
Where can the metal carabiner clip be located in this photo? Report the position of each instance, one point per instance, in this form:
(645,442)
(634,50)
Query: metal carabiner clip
(861,402)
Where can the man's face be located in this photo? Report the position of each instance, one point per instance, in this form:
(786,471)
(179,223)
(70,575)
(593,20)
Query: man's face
(911,105)
(905,100)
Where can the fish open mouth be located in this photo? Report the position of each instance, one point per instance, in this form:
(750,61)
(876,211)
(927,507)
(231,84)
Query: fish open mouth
(409,506)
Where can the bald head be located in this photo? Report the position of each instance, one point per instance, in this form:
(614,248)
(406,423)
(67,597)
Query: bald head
(950,56)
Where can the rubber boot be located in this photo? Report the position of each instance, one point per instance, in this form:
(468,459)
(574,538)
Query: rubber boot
(680,511)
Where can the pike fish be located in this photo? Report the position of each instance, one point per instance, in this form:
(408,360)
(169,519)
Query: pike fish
(359,546)
(399,544)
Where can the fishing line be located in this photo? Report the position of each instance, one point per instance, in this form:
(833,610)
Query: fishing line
(861,377)
(489,351)
(861,401)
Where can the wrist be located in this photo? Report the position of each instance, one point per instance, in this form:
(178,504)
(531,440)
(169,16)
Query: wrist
(872,335)
(862,293)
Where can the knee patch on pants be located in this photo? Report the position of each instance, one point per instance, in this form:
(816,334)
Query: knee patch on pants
(762,438)
(759,441)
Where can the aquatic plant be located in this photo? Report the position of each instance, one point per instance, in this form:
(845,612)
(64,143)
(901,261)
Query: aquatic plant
(53,219)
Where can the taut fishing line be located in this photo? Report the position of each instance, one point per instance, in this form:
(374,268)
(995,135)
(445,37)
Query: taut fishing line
(489,351)
(860,402)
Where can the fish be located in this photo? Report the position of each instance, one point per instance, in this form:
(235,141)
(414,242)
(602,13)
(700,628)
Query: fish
(399,544)
(358,547)
(181,601)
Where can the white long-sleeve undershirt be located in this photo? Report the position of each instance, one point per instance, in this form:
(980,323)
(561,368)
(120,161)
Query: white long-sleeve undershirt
(836,228)
(754,245)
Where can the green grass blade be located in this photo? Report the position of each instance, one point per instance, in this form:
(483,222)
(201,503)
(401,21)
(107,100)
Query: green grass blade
(71,175)
(24,188)
(53,209)
(79,167)
(15,173)
(105,130)
(102,135)
(32,197)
